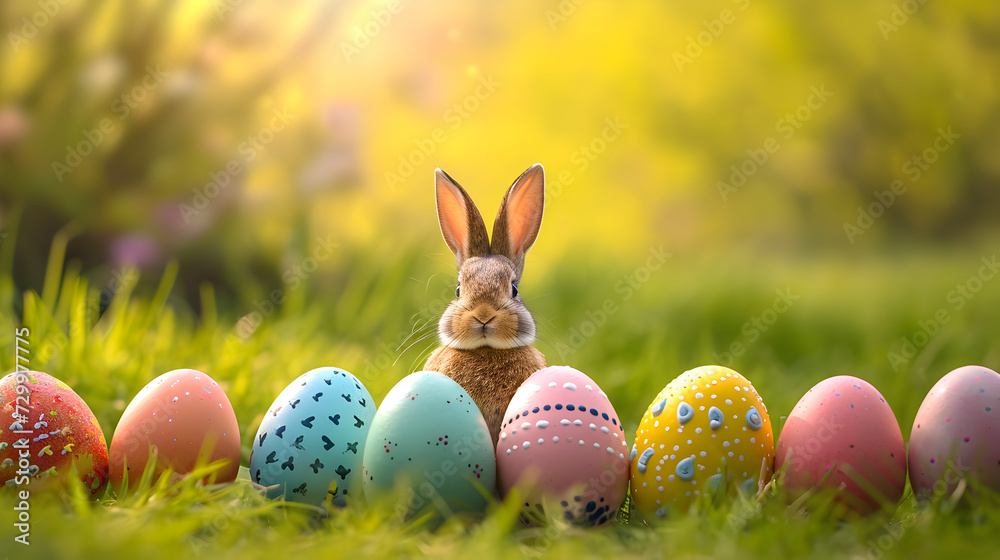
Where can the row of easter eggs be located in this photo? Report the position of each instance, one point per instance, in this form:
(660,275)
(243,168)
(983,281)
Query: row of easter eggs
(183,417)
(323,439)
(707,433)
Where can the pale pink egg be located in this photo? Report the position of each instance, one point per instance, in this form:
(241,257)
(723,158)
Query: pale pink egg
(562,445)
(956,433)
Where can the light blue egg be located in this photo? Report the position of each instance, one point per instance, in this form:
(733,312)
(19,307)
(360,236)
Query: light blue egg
(311,442)
(430,438)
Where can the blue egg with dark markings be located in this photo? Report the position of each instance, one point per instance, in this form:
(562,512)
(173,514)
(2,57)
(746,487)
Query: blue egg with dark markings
(311,442)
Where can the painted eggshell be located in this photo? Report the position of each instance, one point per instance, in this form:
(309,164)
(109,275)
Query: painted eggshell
(429,439)
(175,416)
(62,436)
(311,441)
(562,445)
(705,433)
(843,434)
(958,423)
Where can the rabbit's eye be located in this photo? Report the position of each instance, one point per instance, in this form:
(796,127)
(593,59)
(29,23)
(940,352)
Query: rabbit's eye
(513,290)
(458,291)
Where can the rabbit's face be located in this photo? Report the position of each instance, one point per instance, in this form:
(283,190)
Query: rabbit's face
(487,310)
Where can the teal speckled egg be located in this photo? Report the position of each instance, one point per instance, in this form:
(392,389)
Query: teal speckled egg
(429,441)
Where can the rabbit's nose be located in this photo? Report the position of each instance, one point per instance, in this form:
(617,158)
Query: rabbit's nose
(483,315)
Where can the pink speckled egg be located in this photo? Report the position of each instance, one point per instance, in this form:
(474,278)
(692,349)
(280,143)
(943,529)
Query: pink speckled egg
(958,423)
(843,434)
(182,418)
(563,447)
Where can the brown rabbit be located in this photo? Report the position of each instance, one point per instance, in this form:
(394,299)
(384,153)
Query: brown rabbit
(486,332)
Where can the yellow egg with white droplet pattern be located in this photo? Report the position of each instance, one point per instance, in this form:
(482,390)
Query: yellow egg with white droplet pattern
(705,435)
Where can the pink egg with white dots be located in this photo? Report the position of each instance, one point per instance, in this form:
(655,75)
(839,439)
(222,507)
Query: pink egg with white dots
(562,445)
(956,433)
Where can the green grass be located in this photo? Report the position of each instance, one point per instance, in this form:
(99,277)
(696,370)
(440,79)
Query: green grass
(354,314)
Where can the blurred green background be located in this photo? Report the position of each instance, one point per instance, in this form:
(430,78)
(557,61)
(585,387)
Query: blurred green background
(374,95)
(274,160)
(796,190)
(282,155)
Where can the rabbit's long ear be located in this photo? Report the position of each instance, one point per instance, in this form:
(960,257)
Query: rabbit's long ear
(520,217)
(461,223)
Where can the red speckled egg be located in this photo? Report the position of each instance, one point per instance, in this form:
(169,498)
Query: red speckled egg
(958,422)
(62,431)
(562,444)
(843,434)
(175,416)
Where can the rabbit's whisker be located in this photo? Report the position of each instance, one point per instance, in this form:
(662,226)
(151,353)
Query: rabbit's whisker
(416,331)
(424,337)
(421,357)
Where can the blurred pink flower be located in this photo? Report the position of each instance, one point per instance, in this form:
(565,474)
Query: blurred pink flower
(337,163)
(13,124)
(135,250)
